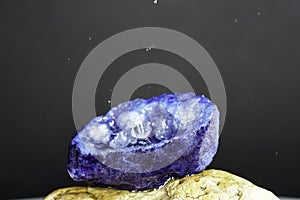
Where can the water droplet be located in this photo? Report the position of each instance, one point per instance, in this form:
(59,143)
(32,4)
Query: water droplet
(90,38)
(155,1)
(152,46)
(258,13)
(236,20)
(276,153)
(68,59)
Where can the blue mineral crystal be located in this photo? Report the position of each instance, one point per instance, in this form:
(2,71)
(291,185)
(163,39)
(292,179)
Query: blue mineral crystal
(140,144)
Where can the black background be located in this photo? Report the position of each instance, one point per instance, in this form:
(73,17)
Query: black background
(255,45)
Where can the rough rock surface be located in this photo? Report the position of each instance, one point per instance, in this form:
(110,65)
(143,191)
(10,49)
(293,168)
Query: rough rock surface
(208,185)
(142,143)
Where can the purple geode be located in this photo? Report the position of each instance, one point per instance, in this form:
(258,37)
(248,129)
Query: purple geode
(140,144)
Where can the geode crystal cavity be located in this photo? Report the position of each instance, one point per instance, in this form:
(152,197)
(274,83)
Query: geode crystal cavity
(140,144)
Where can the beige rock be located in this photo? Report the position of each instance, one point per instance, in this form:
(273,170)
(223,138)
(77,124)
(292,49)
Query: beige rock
(208,185)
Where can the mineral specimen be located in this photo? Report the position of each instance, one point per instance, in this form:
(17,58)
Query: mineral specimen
(208,185)
(140,144)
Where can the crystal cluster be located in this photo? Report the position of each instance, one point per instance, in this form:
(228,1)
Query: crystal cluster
(140,144)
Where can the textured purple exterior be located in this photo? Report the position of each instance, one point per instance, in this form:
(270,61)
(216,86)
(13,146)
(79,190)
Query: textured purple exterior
(203,144)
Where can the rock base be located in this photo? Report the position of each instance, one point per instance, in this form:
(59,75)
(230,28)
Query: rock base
(208,185)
